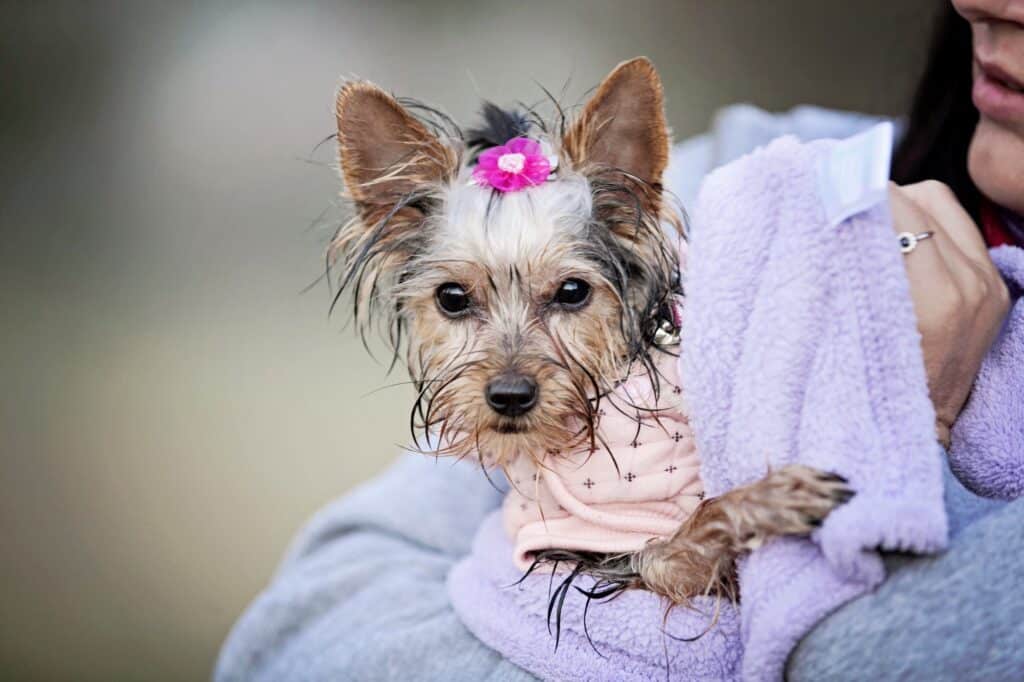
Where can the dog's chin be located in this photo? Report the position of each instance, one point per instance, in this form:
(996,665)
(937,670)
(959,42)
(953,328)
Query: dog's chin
(507,439)
(499,440)
(510,427)
(503,440)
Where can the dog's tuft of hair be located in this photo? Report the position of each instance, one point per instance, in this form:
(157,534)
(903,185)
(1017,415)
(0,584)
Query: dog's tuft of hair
(499,126)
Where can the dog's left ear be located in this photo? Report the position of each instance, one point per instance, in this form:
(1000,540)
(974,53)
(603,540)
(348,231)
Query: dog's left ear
(622,127)
(386,154)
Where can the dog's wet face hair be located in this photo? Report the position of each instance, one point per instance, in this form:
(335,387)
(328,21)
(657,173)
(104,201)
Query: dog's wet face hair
(517,311)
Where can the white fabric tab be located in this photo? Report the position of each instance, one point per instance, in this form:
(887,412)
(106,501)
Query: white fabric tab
(854,175)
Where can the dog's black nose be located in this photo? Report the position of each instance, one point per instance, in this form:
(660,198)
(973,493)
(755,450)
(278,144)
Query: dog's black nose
(511,395)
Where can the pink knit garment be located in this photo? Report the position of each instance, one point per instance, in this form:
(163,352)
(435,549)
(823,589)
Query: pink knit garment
(579,501)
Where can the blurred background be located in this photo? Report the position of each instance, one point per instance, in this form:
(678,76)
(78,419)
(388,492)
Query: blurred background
(173,406)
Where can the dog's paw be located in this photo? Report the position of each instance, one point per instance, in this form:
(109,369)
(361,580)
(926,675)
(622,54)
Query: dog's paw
(699,559)
(796,499)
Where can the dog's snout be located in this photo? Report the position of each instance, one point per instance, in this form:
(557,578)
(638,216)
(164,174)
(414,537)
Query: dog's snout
(511,395)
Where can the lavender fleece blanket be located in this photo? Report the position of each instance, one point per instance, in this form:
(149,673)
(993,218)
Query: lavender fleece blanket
(800,346)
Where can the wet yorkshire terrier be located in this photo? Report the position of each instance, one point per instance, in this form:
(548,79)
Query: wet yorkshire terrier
(529,271)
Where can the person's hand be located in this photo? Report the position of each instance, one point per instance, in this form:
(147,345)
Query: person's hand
(959,298)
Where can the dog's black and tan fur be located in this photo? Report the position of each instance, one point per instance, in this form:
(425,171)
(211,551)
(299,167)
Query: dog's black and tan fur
(556,292)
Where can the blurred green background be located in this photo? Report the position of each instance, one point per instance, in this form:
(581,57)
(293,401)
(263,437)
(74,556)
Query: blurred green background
(173,406)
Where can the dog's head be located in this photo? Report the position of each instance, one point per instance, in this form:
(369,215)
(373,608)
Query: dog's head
(519,310)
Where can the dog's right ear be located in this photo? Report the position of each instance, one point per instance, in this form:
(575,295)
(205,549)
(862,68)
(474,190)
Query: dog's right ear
(622,128)
(388,158)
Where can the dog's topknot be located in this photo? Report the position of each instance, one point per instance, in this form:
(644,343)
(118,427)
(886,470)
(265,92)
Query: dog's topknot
(498,127)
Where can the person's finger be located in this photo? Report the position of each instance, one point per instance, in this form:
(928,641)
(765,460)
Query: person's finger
(908,216)
(961,245)
(941,204)
(931,278)
(939,260)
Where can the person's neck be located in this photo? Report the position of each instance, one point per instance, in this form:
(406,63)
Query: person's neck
(1001,226)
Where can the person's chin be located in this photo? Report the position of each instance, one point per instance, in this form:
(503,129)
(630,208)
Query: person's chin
(996,163)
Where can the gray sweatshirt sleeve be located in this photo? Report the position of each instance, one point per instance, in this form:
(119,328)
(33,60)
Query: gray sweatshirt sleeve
(361,593)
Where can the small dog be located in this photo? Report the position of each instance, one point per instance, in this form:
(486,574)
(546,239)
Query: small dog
(526,284)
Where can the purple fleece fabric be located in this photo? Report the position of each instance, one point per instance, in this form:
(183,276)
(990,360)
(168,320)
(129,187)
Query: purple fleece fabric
(987,452)
(634,644)
(800,346)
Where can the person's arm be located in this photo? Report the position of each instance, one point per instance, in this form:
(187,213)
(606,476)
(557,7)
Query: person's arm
(361,593)
(954,616)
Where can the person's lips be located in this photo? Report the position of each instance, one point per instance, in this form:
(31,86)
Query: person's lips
(997,93)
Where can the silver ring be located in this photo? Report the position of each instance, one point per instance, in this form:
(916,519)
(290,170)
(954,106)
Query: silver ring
(908,240)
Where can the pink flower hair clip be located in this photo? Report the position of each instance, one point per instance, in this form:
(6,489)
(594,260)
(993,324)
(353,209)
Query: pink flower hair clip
(513,166)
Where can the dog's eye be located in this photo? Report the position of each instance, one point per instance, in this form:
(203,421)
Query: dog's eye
(452,299)
(573,294)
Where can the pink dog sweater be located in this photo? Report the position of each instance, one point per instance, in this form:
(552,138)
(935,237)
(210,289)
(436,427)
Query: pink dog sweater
(580,501)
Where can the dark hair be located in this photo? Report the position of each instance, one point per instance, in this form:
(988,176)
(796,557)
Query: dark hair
(942,116)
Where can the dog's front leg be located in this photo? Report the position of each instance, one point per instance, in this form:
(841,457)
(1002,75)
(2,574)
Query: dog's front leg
(700,559)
